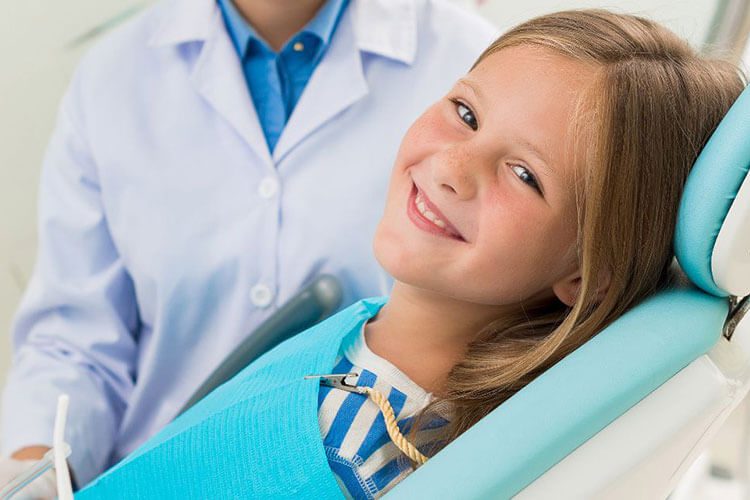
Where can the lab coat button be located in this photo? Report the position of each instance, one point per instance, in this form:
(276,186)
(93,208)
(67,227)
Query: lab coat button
(268,187)
(261,295)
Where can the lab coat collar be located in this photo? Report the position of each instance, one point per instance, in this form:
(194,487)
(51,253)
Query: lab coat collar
(384,27)
(184,21)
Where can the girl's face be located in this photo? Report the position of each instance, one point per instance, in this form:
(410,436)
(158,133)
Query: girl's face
(481,204)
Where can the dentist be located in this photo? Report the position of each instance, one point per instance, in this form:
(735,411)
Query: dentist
(209,159)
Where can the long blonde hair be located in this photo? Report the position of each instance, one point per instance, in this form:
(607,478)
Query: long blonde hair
(653,106)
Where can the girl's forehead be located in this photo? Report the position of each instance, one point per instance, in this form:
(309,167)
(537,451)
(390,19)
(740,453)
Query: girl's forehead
(535,66)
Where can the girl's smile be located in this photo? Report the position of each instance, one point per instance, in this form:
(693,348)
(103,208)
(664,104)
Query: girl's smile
(426,216)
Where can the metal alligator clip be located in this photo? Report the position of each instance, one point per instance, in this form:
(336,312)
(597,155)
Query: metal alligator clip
(338,381)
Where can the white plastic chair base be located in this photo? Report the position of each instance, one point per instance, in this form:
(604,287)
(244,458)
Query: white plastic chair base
(644,453)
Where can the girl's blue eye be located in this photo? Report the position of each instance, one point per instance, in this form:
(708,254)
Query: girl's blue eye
(527,177)
(466,114)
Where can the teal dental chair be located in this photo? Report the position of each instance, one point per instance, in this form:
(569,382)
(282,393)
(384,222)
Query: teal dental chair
(627,413)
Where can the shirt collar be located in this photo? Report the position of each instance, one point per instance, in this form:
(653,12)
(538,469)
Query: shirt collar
(321,25)
(383,27)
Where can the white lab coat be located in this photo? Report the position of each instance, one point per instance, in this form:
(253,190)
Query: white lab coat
(168,231)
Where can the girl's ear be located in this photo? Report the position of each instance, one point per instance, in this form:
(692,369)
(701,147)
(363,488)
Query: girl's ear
(566,289)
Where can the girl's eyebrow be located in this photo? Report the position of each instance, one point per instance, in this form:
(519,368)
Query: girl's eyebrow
(528,146)
(464,82)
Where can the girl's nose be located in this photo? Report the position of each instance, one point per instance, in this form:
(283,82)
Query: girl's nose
(453,175)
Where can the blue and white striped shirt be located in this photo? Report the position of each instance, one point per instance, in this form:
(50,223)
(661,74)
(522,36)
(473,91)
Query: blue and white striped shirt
(364,460)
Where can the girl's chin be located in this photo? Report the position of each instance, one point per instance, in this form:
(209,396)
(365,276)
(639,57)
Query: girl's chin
(401,257)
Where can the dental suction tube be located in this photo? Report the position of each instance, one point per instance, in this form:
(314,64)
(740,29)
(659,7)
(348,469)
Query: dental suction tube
(312,304)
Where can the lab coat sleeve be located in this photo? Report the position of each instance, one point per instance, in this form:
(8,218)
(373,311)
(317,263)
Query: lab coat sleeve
(75,329)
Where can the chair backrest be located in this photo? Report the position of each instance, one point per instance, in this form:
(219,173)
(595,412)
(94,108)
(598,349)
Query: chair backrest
(668,334)
(712,237)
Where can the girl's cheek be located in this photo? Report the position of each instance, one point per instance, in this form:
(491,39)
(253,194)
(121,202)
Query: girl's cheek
(423,140)
(435,127)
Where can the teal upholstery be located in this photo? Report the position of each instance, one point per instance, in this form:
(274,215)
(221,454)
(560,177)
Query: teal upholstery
(573,400)
(710,189)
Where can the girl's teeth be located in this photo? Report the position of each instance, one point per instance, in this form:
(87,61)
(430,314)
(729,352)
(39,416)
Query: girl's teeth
(428,214)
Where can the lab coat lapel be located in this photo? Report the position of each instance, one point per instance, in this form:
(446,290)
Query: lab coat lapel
(219,78)
(337,83)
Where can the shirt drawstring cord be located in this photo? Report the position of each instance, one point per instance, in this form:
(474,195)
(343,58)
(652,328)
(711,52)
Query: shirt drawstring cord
(337,380)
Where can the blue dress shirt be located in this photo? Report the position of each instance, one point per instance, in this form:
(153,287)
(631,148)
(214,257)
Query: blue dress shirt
(276,80)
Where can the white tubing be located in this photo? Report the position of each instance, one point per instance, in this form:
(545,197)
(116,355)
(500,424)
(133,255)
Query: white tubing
(64,487)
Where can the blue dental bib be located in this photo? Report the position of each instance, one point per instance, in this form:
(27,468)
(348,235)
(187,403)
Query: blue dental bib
(257,436)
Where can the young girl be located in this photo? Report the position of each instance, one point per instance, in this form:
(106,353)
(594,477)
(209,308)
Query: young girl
(528,209)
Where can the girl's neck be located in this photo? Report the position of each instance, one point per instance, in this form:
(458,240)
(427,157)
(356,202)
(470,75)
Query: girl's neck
(424,334)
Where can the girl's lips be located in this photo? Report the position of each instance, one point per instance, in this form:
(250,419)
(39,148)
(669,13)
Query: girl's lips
(426,224)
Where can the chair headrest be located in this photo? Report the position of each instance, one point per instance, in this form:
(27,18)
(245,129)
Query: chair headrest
(712,237)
